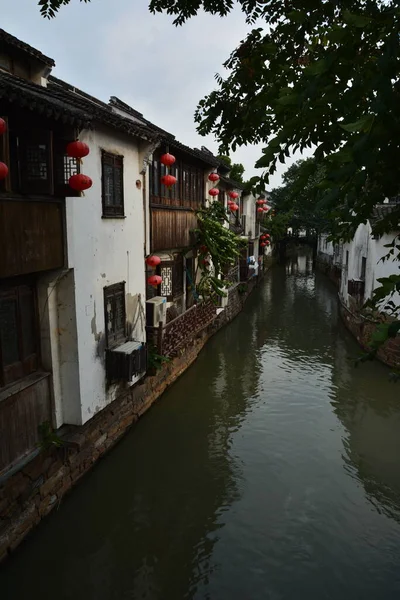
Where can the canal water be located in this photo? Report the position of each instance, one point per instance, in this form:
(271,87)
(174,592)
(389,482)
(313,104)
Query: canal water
(270,470)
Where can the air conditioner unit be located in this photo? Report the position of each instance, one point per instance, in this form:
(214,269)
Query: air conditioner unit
(156,311)
(127,362)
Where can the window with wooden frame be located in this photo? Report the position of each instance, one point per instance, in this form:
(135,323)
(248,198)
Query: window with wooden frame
(37,161)
(18,332)
(115,315)
(188,190)
(112,185)
(171,272)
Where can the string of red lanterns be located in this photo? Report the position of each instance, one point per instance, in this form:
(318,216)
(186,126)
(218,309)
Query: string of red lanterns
(168,160)
(78,182)
(3,166)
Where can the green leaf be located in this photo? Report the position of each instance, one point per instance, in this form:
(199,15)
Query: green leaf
(355,20)
(298,16)
(363,124)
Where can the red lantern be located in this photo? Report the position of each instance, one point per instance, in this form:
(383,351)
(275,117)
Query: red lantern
(3,126)
(234,207)
(260,210)
(80,182)
(154,280)
(168,180)
(267,243)
(204,249)
(263,244)
(266,235)
(214,192)
(260,202)
(167,159)
(213,177)
(153,261)
(265,208)
(77,149)
(3,170)
(233,195)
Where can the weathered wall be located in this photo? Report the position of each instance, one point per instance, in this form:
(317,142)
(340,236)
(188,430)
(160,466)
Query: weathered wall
(31,493)
(101,252)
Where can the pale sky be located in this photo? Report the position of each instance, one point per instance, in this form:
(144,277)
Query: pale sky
(117,48)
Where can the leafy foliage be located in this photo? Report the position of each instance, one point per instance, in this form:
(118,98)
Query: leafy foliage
(154,360)
(48,437)
(218,248)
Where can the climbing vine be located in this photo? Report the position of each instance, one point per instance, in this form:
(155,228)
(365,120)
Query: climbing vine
(218,248)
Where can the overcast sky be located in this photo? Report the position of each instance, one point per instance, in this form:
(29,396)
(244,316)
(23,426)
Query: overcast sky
(117,48)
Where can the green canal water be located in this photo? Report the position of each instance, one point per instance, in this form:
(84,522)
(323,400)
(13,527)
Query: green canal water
(270,470)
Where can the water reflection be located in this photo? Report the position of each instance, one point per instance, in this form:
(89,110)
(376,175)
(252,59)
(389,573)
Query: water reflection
(270,470)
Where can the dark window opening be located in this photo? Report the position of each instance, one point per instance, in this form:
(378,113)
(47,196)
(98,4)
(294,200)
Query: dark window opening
(363,267)
(18,333)
(113,185)
(115,316)
(172,285)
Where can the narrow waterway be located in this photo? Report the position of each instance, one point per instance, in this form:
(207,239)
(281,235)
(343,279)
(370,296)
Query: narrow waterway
(270,470)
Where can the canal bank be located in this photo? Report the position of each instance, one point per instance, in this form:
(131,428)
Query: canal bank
(270,470)
(30,493)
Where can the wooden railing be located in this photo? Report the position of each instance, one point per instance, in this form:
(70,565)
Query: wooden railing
(169,338)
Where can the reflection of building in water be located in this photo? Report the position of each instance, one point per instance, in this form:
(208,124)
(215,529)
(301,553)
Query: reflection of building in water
(368,408)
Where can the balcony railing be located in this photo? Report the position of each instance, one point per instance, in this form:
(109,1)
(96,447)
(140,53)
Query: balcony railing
(233,276)
(183,329)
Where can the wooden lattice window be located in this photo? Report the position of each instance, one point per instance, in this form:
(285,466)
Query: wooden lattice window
(35,150)
(172,278)
(113,185)
(115,315)
(18,332)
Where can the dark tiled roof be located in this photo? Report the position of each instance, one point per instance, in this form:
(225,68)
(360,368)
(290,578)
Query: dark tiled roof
(168,138)
(10,40)
(383,211)
(233,183)
(39,99)
(99,111)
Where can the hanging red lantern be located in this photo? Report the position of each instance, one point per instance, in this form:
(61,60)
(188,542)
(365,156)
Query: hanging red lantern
(3,170)
(214,192)
(168,180)
(267,243)
(265,208)
(260,202)
(77,149)
(234,207)
(80,182)
(213,177)
(167,159)
(203,249)
(153,261)
(3,126)
(267,236)
(154,280)
(233,195)
(263,244)
(260,210)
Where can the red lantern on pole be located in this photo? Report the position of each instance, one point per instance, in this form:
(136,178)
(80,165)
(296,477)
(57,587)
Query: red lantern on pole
(3,170)
(233,195)
(260,210)
(167,159)
(154,280)
(3,126)
(168,180)
(80,182)
(77,149)
(214,192)
(153,261)
(213,177)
